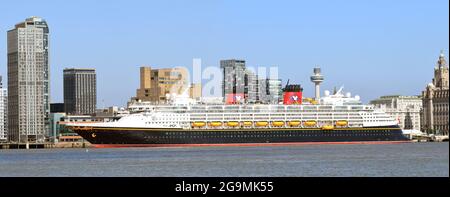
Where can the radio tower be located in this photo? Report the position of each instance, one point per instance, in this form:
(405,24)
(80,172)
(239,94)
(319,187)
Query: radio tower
(317,79)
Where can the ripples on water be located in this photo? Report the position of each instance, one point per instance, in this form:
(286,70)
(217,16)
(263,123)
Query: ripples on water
(411,159)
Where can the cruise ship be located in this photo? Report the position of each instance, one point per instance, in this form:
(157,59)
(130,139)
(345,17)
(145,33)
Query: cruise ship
(335,118)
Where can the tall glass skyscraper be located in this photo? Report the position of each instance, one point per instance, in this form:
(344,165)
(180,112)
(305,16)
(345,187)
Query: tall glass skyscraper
(28,81)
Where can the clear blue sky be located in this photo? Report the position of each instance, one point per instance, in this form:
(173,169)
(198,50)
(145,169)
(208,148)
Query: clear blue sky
(374,48)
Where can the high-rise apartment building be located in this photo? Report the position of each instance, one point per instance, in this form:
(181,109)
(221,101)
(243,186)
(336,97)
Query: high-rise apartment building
(157,84)
(80,91)
(251,87)
(3,112)
(234,77)
(435,100)
(28,81)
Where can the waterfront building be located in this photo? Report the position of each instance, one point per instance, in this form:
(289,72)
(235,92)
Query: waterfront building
(405,109)
(80,91)
(3,112)
(435,100)
(157,84)
(28,81)
(55,127)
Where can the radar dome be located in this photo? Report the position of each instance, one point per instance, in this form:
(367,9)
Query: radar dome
(357,97)
(327,93)
(348,95)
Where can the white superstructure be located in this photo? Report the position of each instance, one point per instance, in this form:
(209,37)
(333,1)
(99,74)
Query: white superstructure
(336,110)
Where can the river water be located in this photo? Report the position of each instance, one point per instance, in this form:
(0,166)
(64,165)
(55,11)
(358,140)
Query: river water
(360,160)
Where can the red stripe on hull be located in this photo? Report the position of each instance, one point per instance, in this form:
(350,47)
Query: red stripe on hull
(242,144)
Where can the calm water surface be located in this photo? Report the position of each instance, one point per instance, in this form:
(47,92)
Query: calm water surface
(411,159)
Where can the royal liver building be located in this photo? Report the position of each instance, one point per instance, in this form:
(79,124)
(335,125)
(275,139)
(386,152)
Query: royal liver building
(28,81)
(435,100)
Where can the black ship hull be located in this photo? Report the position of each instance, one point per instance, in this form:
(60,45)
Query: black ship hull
(116,137)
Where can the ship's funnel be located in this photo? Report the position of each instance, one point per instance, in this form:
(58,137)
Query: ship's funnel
(235,98)
(293,94)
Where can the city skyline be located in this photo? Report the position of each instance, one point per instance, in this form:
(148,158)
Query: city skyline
(399,41)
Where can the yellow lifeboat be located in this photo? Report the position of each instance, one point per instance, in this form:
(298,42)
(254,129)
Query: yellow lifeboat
(215,124)
(248,124)
(341,123)
(262,124)
(294,123)
(328,127)
(310,123)
(312,101)
(198,124)
(233,124)
(278,124)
